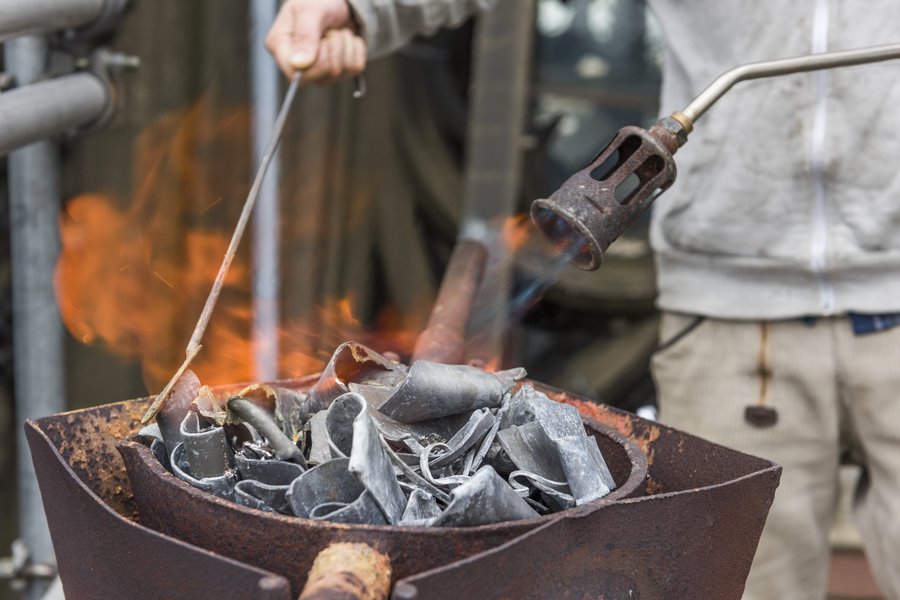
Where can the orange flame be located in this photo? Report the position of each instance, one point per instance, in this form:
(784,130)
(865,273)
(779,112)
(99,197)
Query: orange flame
(135,279)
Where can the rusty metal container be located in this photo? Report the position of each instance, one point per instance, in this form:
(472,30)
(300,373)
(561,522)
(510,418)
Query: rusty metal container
(684,523)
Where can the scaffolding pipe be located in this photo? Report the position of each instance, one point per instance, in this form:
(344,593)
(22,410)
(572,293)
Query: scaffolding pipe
(41,110)
(20,17)
(34,197)
(264,85)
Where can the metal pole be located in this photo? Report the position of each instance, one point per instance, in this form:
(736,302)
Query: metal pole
(264,80)
(19,17)
(41,110)
(785,66)
(34,193)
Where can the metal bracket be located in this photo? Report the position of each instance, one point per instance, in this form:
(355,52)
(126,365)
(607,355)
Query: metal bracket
(20,570)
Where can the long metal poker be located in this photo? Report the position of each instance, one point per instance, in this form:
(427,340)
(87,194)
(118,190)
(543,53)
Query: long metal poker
(194,345)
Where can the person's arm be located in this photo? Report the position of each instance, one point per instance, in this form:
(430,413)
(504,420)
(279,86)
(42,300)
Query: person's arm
(332,39)
(389,24)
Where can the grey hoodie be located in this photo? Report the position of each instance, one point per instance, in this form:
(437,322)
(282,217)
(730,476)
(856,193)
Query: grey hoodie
(787,201)
(388,24)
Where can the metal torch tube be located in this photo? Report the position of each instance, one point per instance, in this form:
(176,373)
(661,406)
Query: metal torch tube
(34,197)
(37,111)
(443,339)
(19,17)
(786,66)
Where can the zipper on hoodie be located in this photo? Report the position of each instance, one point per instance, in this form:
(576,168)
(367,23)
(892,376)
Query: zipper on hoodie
(819,243)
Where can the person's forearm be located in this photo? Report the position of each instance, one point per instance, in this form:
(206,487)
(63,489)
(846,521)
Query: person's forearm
(388,24)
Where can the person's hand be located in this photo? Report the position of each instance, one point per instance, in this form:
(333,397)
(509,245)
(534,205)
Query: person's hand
(316,37)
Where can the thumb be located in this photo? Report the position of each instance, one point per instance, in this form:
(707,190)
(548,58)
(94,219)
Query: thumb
(305,38)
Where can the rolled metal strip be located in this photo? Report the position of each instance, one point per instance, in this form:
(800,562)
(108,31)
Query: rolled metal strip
(222,486)
(269,472)
(433,390)
(368,459)
(331,492)
(41,110)
(207,452)
(269,498)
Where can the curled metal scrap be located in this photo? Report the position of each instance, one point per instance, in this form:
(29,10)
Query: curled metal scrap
(433,390)
(485,498)
(331,485)
(206,450)
(447,416)
(262,496)
(370,462)
(221,485)
(353,362)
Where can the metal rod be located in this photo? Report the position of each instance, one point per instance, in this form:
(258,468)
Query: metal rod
(41,110)
(194,346)
(34,191)
(443,339)
(786,66)
(19,17)
(264,82)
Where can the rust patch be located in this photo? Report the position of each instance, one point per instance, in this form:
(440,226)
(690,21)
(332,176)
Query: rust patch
(643,433)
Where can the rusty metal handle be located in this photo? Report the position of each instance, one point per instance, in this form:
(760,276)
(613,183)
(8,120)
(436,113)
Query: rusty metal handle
(785,66)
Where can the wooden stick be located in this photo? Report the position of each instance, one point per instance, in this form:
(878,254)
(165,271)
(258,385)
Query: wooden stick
(193,347)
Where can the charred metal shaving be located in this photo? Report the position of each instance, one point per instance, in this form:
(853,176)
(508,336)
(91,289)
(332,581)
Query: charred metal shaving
(173,412)
(284,448)
(292,410)
(353,362)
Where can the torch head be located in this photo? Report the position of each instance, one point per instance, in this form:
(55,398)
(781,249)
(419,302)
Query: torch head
(597,204)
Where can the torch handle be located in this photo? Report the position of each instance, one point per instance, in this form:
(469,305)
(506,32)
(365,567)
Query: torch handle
(785,66)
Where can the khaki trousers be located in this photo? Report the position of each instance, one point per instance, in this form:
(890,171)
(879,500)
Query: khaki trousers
(836,395)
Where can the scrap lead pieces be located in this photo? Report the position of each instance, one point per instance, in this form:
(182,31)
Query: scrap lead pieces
(172,413)
(369,460)
(269,472)
(421,509)
(222,486)
(242,410)
(354,363)
(555,447)
(484,499)
(206,449)
(330,491)
(586,470)
(433,390)
(262,496)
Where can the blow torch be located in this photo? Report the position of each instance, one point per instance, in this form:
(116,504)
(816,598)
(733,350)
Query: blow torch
(597,204)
